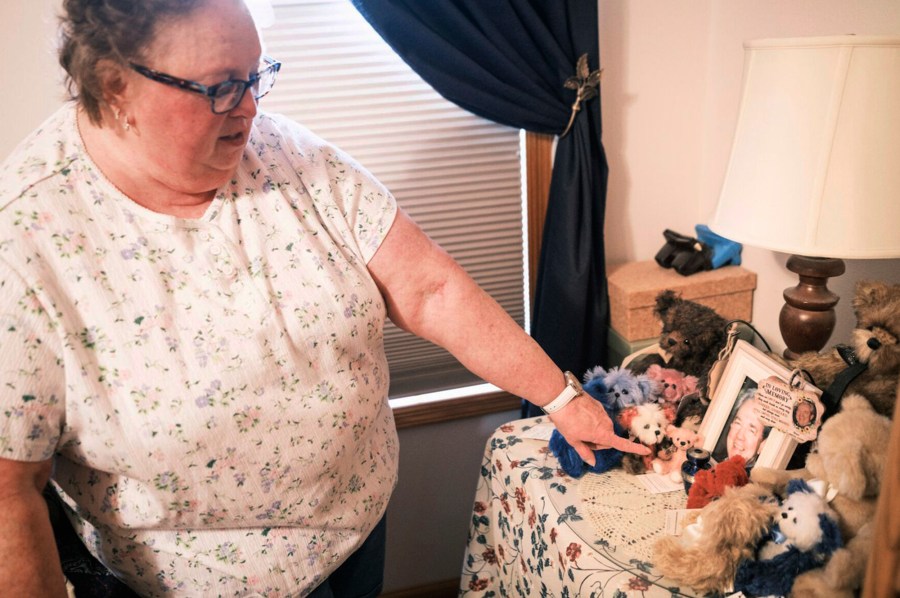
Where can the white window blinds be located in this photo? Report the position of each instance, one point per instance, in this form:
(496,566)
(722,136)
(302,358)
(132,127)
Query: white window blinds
(459,176)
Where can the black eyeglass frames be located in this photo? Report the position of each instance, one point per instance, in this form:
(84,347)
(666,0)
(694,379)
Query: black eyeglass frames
(223,96)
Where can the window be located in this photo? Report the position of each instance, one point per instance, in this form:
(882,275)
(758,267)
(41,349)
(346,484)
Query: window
(459,176)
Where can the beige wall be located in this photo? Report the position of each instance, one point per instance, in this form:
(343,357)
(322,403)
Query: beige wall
(28,68)
(671,85)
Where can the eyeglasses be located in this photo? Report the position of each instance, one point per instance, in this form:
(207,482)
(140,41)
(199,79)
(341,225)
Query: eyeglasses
(223,96)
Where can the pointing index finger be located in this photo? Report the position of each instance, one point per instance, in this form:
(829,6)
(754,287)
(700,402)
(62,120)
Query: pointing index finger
(627,446)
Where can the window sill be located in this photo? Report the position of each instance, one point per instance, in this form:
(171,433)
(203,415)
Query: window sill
(471,401)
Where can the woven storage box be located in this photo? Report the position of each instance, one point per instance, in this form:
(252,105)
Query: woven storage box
(633,288)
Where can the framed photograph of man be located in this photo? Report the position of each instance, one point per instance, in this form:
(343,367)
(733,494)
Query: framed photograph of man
(732,424)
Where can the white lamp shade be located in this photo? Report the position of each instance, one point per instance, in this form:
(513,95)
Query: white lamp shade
(815,165)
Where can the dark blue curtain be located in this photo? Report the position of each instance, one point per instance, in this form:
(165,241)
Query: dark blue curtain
(507,61)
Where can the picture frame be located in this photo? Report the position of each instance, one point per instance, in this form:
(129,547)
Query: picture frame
(729,426)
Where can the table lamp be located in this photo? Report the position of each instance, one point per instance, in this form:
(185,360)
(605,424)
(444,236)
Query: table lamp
(815,166)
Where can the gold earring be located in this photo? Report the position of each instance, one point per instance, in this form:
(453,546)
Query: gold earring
(115,112)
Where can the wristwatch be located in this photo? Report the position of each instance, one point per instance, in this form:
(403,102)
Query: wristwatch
(572,390)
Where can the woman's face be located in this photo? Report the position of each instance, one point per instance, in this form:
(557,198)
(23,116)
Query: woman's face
(745,432)
(179,142)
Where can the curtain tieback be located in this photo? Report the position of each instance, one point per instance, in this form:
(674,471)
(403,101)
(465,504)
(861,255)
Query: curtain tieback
(585,82)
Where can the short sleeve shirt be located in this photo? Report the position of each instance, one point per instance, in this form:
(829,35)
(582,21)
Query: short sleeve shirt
(213,390)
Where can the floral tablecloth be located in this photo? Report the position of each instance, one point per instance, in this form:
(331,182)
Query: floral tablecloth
(530,534)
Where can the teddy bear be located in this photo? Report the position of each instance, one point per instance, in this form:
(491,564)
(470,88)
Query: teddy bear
(616,390)
(645,424)
(572,463)
(875,342)
(723,533)
(710,484)
(665,450)
(665,461)
(619,388)
(692,336)
(850,456)
(672,384)
(682,439)
(804,536)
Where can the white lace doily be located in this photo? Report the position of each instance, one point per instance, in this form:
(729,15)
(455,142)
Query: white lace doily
(626,514)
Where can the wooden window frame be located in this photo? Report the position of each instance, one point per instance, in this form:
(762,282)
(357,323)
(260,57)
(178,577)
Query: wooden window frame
(538,167)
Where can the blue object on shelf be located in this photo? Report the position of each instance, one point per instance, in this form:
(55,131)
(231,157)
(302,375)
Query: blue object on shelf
(724,252)
(688,255)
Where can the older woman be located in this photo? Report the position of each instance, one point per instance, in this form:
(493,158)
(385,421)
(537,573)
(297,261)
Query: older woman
(193,300)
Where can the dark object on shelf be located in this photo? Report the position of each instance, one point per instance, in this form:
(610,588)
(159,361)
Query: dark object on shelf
(686,255)
(689,255)
(697,459)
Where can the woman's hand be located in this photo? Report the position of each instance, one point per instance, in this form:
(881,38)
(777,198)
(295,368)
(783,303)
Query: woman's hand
(587,428)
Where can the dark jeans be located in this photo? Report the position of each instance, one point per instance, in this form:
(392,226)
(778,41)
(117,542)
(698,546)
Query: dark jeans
(362,574)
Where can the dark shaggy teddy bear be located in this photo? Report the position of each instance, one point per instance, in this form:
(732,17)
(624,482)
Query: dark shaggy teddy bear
(875,342)
(692,334)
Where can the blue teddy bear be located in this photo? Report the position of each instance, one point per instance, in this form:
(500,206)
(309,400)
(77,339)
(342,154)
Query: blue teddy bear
(595,385)
(618,388)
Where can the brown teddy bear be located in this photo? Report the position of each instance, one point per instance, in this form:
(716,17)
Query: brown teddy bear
(850,458)
(875,342)
(692,334)
(670,464)
(726,531)
(691,339)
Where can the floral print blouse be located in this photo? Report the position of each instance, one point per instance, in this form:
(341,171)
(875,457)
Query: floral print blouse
(213,391)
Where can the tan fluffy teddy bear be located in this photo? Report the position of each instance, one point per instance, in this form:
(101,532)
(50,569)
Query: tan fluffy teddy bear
(850,458)
(875,342)
(726,531)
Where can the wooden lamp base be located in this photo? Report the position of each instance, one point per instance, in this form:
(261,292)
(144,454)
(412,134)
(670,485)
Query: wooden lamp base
(807,318)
